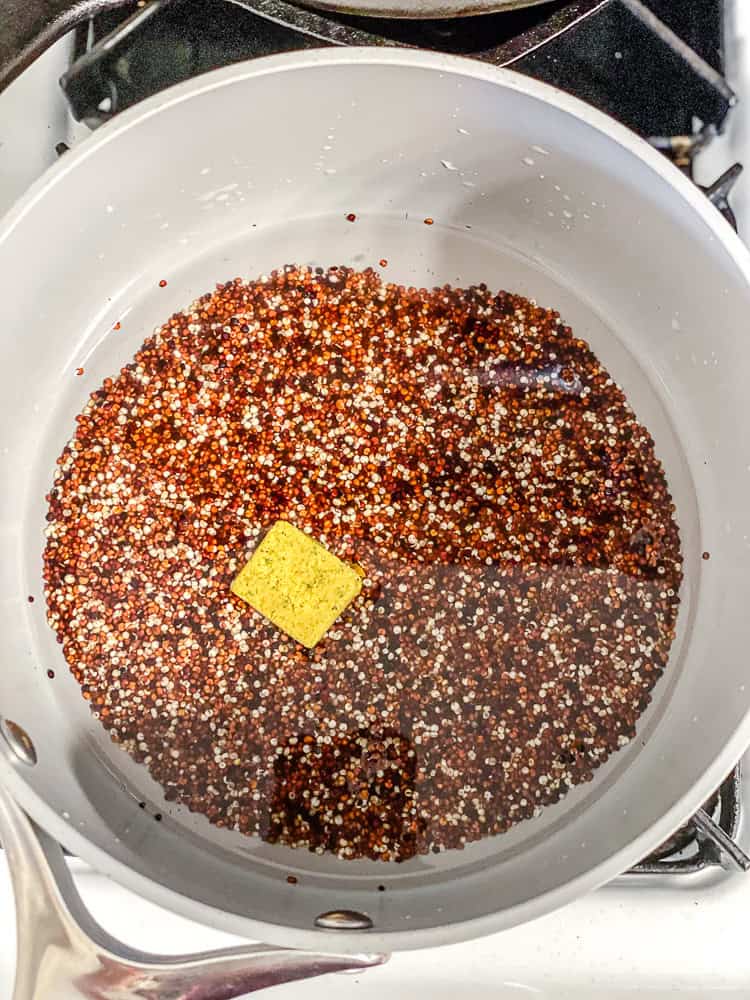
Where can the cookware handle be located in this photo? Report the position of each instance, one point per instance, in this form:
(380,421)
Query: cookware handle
(63,954)
(28,27)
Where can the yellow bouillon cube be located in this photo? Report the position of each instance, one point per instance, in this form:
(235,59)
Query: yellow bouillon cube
(297,584)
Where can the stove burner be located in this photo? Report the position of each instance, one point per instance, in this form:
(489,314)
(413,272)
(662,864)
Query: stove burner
(656,68)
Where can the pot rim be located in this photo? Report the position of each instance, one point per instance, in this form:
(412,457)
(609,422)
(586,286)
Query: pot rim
(376,940)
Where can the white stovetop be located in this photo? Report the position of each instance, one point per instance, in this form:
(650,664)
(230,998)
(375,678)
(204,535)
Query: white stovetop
(686,937)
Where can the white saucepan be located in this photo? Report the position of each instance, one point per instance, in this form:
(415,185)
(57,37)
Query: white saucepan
(255,166)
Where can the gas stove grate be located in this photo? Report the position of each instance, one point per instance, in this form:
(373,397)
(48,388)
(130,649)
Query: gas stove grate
(707,840)
(655,65)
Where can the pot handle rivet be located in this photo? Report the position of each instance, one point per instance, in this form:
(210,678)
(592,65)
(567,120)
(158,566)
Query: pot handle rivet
(343,920)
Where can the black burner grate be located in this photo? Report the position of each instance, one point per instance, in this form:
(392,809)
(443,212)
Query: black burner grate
(655,65)
(700,844)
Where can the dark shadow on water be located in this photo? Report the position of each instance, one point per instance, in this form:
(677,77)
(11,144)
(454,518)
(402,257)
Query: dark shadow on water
(353,795)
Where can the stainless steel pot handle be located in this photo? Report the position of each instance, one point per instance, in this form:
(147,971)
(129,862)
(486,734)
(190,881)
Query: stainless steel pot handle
(63,954)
